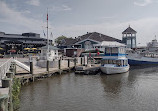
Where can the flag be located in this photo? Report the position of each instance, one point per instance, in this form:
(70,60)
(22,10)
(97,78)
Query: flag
(51,34)
(44,33)
(47,16)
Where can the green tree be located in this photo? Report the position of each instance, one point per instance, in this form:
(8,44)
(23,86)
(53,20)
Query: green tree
(59,39)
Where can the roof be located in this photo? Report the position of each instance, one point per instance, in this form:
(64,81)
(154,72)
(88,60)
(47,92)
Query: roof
(94,36)
(129,30)
(20,36)
(69,41)
(110,44)
(50,47)
(97,37)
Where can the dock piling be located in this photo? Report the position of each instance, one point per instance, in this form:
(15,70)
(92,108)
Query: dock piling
(31,67)
(48,66)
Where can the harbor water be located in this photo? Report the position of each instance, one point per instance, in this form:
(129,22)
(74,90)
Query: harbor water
(135,90)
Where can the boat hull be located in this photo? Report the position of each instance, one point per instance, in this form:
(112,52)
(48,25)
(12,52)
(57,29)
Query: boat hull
(141,62)
(114,70)
(138,59)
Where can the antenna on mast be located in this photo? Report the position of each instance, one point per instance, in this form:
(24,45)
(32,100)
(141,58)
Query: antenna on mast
(47,37)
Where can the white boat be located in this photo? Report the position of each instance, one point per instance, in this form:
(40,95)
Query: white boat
(114,68)
(147,56)
(114,60)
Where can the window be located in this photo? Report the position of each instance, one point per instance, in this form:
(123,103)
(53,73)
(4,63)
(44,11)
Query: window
(128,42)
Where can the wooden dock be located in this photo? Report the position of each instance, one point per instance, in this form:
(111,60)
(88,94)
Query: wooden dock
(39,72)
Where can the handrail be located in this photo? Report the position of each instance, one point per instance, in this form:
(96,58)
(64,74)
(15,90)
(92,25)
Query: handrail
(4,68)
(20,64)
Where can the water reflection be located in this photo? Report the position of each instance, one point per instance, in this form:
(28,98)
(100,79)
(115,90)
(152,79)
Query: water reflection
(135,90)
(113,83)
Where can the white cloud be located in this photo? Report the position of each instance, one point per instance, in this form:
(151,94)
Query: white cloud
(26,12)
(60,8)
(144,33)
(65,7)
(16,21)
(13,21)
(143,3)
(33,2)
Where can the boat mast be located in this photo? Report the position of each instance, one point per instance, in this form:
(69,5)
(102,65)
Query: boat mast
(47,37)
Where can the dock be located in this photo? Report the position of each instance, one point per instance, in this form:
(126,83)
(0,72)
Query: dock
(87,70)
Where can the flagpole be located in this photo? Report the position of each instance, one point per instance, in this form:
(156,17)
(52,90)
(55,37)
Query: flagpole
(47,37)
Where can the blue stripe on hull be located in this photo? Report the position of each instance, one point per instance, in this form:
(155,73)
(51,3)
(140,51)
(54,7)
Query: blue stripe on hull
(136,62)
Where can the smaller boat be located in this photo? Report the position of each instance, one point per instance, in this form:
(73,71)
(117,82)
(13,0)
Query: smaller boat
(114,61)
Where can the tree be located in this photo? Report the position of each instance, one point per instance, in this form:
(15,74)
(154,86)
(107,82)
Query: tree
(59,39)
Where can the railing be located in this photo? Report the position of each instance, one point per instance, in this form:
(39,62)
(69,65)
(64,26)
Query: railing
(20,64)
(4,68)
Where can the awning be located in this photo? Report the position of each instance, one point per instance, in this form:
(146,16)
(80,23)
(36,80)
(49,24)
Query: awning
(26,48)
(12,50)
(33,48)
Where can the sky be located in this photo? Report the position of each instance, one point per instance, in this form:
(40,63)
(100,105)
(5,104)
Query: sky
(73,18)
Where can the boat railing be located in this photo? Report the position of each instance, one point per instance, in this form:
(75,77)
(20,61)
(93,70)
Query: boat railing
(151,55)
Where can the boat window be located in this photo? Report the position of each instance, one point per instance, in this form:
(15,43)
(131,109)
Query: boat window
(115,50)
(110,61)
(108,50)
(106,61)
(114,61)
(118,62)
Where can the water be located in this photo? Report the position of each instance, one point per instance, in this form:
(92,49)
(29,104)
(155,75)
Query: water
(133,91)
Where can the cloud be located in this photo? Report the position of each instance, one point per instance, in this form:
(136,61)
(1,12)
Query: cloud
(14,21)
(60,8)
(33,2)
(17,21)
(65,7)
(114,29)
(144,3)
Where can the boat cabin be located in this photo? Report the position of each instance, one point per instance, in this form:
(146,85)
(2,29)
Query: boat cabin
(114,51)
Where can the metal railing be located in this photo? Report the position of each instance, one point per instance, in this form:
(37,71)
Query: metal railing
(4,68)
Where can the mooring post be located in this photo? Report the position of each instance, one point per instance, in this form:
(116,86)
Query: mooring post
(87,60)
(48,66)
(4,102)
(31,66)
(14,67)
(10,76)
(84,60)
(6,82)
(69,63)
(59,65)
(75,62)
(81,60)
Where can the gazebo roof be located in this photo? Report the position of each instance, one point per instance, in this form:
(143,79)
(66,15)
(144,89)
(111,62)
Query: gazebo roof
(129,30)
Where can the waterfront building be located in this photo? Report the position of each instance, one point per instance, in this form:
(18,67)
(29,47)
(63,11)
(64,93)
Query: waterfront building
(18,42)
(129,37)
(85,42)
